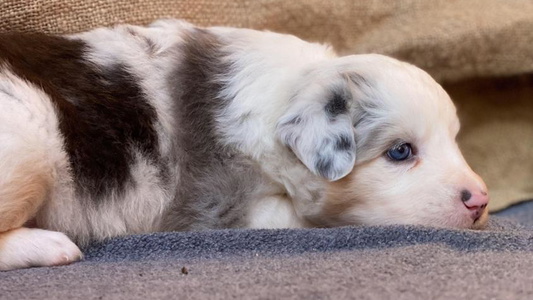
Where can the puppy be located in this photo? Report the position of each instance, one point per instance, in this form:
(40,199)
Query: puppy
(172,127)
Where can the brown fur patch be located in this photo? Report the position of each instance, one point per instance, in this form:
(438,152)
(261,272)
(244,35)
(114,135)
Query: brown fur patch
(23,194)
(340,197)
(4,236)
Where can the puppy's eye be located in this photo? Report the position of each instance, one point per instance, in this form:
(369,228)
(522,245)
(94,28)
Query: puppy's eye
(400,152)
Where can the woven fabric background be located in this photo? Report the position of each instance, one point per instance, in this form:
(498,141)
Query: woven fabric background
(454,40)
(450,39)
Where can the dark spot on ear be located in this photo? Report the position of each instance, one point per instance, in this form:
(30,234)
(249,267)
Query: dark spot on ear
(343,143)
(323,165)
(336,106)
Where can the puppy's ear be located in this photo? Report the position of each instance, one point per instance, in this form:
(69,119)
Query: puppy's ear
(318,128)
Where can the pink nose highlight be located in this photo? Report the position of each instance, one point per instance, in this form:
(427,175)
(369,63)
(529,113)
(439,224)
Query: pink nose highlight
(475,202)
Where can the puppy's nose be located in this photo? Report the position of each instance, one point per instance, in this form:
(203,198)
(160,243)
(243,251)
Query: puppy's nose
(475,202)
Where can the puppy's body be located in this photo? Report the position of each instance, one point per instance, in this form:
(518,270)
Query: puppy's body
(171,127)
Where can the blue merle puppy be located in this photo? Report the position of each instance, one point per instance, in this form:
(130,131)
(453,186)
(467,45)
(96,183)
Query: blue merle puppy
(131,130)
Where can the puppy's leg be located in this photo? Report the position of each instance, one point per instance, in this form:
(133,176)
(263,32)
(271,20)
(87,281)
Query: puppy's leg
(24,187)
(30,151)
(25,184)
(275,212)
(25,247)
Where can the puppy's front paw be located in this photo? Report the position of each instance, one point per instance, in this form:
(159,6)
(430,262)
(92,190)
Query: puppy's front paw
(24,247)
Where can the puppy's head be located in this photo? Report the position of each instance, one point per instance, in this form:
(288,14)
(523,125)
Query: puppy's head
(382,133)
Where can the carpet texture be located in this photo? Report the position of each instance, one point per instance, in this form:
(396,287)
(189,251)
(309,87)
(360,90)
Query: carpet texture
(392,262)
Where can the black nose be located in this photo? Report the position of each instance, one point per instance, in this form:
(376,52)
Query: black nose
(465,195)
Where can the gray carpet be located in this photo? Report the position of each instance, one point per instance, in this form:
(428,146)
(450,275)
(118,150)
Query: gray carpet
(393,262)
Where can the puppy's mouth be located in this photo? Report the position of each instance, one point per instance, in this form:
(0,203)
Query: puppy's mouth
(481,221)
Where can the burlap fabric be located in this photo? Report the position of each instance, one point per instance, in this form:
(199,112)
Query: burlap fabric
(453,40)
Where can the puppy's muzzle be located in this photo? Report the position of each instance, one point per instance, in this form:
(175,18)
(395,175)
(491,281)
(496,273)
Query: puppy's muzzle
(475,202)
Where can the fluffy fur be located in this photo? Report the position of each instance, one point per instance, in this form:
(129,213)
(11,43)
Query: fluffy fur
(172,127)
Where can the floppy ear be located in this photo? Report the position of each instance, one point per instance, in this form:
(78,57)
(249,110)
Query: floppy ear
(318,128)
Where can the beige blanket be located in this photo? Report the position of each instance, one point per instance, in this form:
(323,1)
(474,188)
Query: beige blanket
(458,42)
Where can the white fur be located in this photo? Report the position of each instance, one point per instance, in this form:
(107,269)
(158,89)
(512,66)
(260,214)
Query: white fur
(275,212)
(24,247)
(29,124)
(114,217)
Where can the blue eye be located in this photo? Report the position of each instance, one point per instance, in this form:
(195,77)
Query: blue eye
(400,152)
